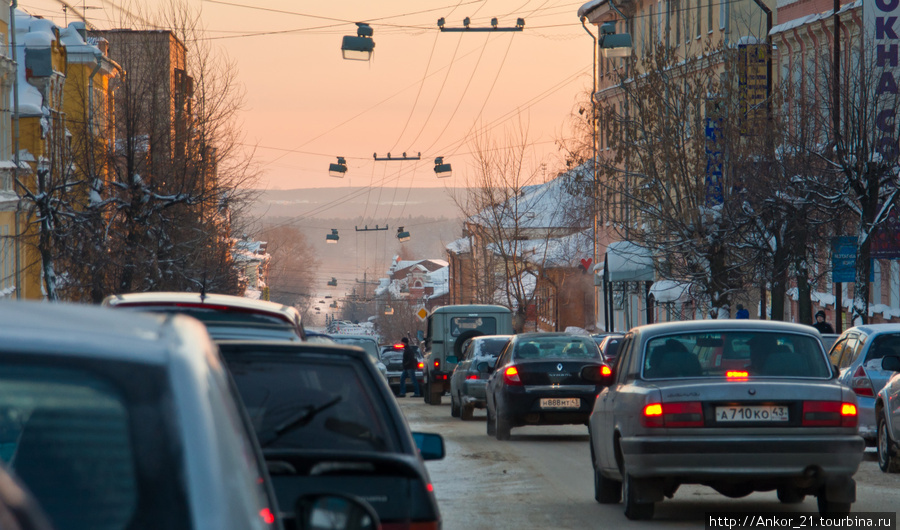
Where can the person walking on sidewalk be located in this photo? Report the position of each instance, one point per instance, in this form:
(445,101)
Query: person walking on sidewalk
(409,369)
(821,324)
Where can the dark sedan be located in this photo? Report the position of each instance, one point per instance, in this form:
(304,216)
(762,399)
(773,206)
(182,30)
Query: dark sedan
(537,381)
(392,357)
(470,376)
(326,421)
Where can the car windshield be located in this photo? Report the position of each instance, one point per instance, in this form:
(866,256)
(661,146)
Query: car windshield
(79,443)
(310,403)
(734,354)
(556,347)
(369,345)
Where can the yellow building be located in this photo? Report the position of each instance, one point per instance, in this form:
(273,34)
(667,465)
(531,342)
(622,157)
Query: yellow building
(8,198)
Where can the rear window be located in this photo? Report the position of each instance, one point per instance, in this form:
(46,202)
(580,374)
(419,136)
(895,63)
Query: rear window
(764,354)
(89,450)
(484,325)
(492,346)
(556,347)
(883,345)
(313,403)
(370,346)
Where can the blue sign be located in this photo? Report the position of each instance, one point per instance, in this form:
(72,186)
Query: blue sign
(714,193)
(843,259)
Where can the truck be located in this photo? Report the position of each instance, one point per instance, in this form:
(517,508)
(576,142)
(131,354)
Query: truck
(448,328)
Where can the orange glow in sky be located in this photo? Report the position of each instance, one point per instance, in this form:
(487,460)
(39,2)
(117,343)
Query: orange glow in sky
(425,91)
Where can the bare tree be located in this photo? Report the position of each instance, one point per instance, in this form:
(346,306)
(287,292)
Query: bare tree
(292,266)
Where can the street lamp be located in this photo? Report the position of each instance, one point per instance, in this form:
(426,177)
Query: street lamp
(441,169)
(358,48)
(333,237)
(614,44)
(402,235)
(338,170)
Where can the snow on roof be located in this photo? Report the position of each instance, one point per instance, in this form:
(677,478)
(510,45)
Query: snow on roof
(808,19)
(547,205)
(36,33)
(460,246)
(588,7)
(668,290)
(567,251)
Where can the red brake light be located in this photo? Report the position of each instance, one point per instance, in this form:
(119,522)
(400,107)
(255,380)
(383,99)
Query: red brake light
(511,376)
(678,414)
(737,374)
(861,384)
(829,414)
(398,346)
(472,376)
(267,516)
(605,371)
(421,366)
(429,487)
(437,363)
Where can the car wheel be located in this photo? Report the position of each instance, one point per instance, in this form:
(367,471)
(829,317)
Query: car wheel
(466,412)
(454,407)
(502,426)
(634,510)
(606,490)
(491,426)
(830,508)
(888,460)
(788,495)
(435,395)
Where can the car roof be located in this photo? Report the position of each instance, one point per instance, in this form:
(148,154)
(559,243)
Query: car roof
(91,331)
(471,309)
(212,299)
(300,348)
(874,329)
(339,336)
(540,334)
(693,326)
(490,337)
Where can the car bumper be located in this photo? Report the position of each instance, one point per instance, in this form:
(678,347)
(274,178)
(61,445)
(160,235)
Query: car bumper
(706,457)
(522,405)
(394,380)
(868,428)
(473,391)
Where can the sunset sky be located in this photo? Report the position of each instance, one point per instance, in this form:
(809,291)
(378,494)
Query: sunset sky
(425,91)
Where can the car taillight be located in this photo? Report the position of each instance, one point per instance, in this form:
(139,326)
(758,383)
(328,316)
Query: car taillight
(421,525)
(420,366)
(398,346)
(472,376)
(861,384)
(734,375)
(511,376)
(267,516)
(678,414)
(605,371)
(829,414)
(437,364)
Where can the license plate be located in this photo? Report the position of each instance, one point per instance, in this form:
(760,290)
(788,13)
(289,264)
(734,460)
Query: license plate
(560,403)
(773,413)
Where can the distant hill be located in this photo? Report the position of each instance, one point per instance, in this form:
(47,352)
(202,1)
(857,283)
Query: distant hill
(359,204)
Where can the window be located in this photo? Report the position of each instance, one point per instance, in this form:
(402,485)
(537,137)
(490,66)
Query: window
(678,23)
(723,15)
(460,325)
(7,257)
(652,42)
(700,17)
(709,16)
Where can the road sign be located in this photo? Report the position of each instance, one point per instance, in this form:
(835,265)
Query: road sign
(422,313)
(843,259)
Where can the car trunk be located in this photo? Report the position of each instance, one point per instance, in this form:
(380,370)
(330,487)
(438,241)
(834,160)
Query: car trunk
(553,371)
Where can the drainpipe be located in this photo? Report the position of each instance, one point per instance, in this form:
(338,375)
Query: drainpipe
(99,58)
(12,36)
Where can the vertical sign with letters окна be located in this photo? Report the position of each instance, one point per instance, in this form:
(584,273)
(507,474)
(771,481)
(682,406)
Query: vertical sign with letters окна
(880,22)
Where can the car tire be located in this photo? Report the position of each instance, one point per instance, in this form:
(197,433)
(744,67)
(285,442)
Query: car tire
(502,427)
(491,426)
(467,412)
(454,407)
(606,490)
(426,394)
(830,508)
(788,495)
(634,510)
(888,460)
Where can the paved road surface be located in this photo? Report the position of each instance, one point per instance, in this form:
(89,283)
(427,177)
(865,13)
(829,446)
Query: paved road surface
(542,478)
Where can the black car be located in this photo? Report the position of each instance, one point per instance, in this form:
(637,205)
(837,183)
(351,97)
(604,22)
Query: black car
(327,422)
(392,357)
(537,381)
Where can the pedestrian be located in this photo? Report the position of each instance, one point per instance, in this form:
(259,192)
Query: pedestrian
(821,325)
(741,312)
(409,369)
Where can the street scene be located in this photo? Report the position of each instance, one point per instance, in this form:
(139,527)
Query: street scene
(434,265)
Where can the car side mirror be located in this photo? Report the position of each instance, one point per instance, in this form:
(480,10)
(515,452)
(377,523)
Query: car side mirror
(420,335)
(431,445)
(890,363)
(335,511)
(600,374)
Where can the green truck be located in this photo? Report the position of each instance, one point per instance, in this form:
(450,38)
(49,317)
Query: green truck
(449,327)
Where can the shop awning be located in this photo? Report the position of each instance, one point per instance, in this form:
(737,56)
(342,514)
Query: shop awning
(628,262)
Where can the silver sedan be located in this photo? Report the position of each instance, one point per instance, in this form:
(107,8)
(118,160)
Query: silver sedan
(471,373)
(737,405)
